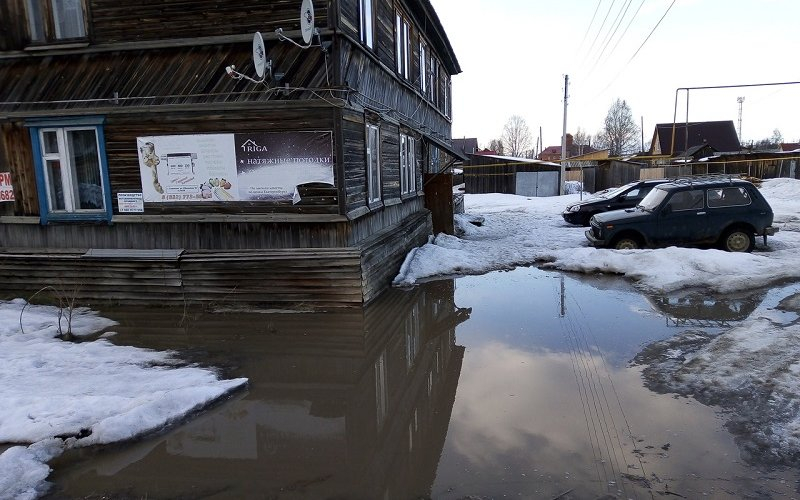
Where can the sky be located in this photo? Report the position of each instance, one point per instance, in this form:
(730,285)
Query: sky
(514,55)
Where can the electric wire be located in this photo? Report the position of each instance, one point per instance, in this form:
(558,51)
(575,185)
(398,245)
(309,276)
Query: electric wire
(584,344)
(588,334)
(600,419)
(616,24)
(602,25)
(589,28)
(607,41)
(619,73)
(652,31)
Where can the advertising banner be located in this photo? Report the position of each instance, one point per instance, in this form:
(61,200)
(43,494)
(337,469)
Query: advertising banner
(263,166)
(6,188)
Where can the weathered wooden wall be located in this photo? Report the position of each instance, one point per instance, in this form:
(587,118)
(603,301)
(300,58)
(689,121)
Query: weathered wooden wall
(16,155)
(212,268)
(178,233)
(112,21)
(379,88)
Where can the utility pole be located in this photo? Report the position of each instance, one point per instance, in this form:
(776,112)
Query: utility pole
(564,137)
(740,100)
(642,129)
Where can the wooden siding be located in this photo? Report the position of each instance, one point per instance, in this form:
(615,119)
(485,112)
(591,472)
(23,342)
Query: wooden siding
(305,278)
(17,157)
(113,21)
(155,77)
(354,160)
(378,88)
(177,235)
(384,253)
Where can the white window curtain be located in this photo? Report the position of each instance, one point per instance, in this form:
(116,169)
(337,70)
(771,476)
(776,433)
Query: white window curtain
(68,18)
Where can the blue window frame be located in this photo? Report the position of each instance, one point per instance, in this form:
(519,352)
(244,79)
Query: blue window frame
(71,169)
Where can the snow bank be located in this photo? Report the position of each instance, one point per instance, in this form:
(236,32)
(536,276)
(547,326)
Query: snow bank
(518,230)
(84,393)
(752,370)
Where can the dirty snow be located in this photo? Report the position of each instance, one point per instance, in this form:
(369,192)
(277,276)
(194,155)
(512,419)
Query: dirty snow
(751,370)
(519,230)
(57,394)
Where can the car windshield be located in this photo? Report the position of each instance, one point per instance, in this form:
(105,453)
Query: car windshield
(653,199)
(617,191)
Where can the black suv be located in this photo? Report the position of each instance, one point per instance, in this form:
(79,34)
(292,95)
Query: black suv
(626,196)
(723,211)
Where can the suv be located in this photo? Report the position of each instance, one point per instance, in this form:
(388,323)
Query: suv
(723,211)
(626,196)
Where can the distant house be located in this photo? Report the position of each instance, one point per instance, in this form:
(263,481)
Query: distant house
(553,153)
(466,146)
(790,146)
(675,139)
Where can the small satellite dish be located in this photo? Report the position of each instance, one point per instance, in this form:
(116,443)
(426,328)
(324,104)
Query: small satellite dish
(259,54)
(307,20)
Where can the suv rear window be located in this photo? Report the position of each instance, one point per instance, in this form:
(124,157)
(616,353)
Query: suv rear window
(728,197)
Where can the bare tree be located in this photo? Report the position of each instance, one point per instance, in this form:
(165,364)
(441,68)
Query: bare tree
(516,136)
(496,145)
(582,141)
(770,143)
(620,134)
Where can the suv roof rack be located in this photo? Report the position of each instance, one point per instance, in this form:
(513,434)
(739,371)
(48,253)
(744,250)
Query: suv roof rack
(691,179)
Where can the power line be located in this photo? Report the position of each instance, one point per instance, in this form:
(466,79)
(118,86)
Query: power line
(637,50)
(588,52)
(652,31)
(626,28)
(607,41)
(588,28)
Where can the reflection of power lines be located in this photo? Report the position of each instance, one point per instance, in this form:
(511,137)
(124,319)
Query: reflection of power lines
(600,403)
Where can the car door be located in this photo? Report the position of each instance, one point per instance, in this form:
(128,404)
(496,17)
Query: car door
(683,219)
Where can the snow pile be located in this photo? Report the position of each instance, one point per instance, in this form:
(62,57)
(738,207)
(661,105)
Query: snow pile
(752,369)
(518,230)
(83,393)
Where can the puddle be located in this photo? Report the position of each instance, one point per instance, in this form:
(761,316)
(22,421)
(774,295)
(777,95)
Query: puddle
(512,384)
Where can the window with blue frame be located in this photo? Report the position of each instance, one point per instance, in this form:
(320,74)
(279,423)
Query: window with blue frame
(71,170)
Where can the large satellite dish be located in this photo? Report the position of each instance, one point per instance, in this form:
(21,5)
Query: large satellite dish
(307,20)
(259,54)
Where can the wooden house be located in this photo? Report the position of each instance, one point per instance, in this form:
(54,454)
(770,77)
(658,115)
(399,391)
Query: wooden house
(676,139)
(163,151)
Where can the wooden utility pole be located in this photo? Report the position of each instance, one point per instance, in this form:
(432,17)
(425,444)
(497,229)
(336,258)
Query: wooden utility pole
(564,137)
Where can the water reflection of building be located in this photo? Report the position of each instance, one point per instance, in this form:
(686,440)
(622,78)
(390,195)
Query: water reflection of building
(351,404)
(702,310)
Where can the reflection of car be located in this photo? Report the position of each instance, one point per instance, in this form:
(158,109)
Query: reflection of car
(724,211)
(626,196)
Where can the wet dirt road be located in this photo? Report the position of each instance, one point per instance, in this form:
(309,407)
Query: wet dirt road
(513,384)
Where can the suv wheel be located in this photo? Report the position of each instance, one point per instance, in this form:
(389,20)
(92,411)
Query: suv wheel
(627,243)
(738,240)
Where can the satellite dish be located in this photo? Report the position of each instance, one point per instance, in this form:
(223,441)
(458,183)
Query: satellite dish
(307,20)
(259,54)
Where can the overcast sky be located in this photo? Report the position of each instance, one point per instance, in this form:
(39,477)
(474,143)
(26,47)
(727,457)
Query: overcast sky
(514,55)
